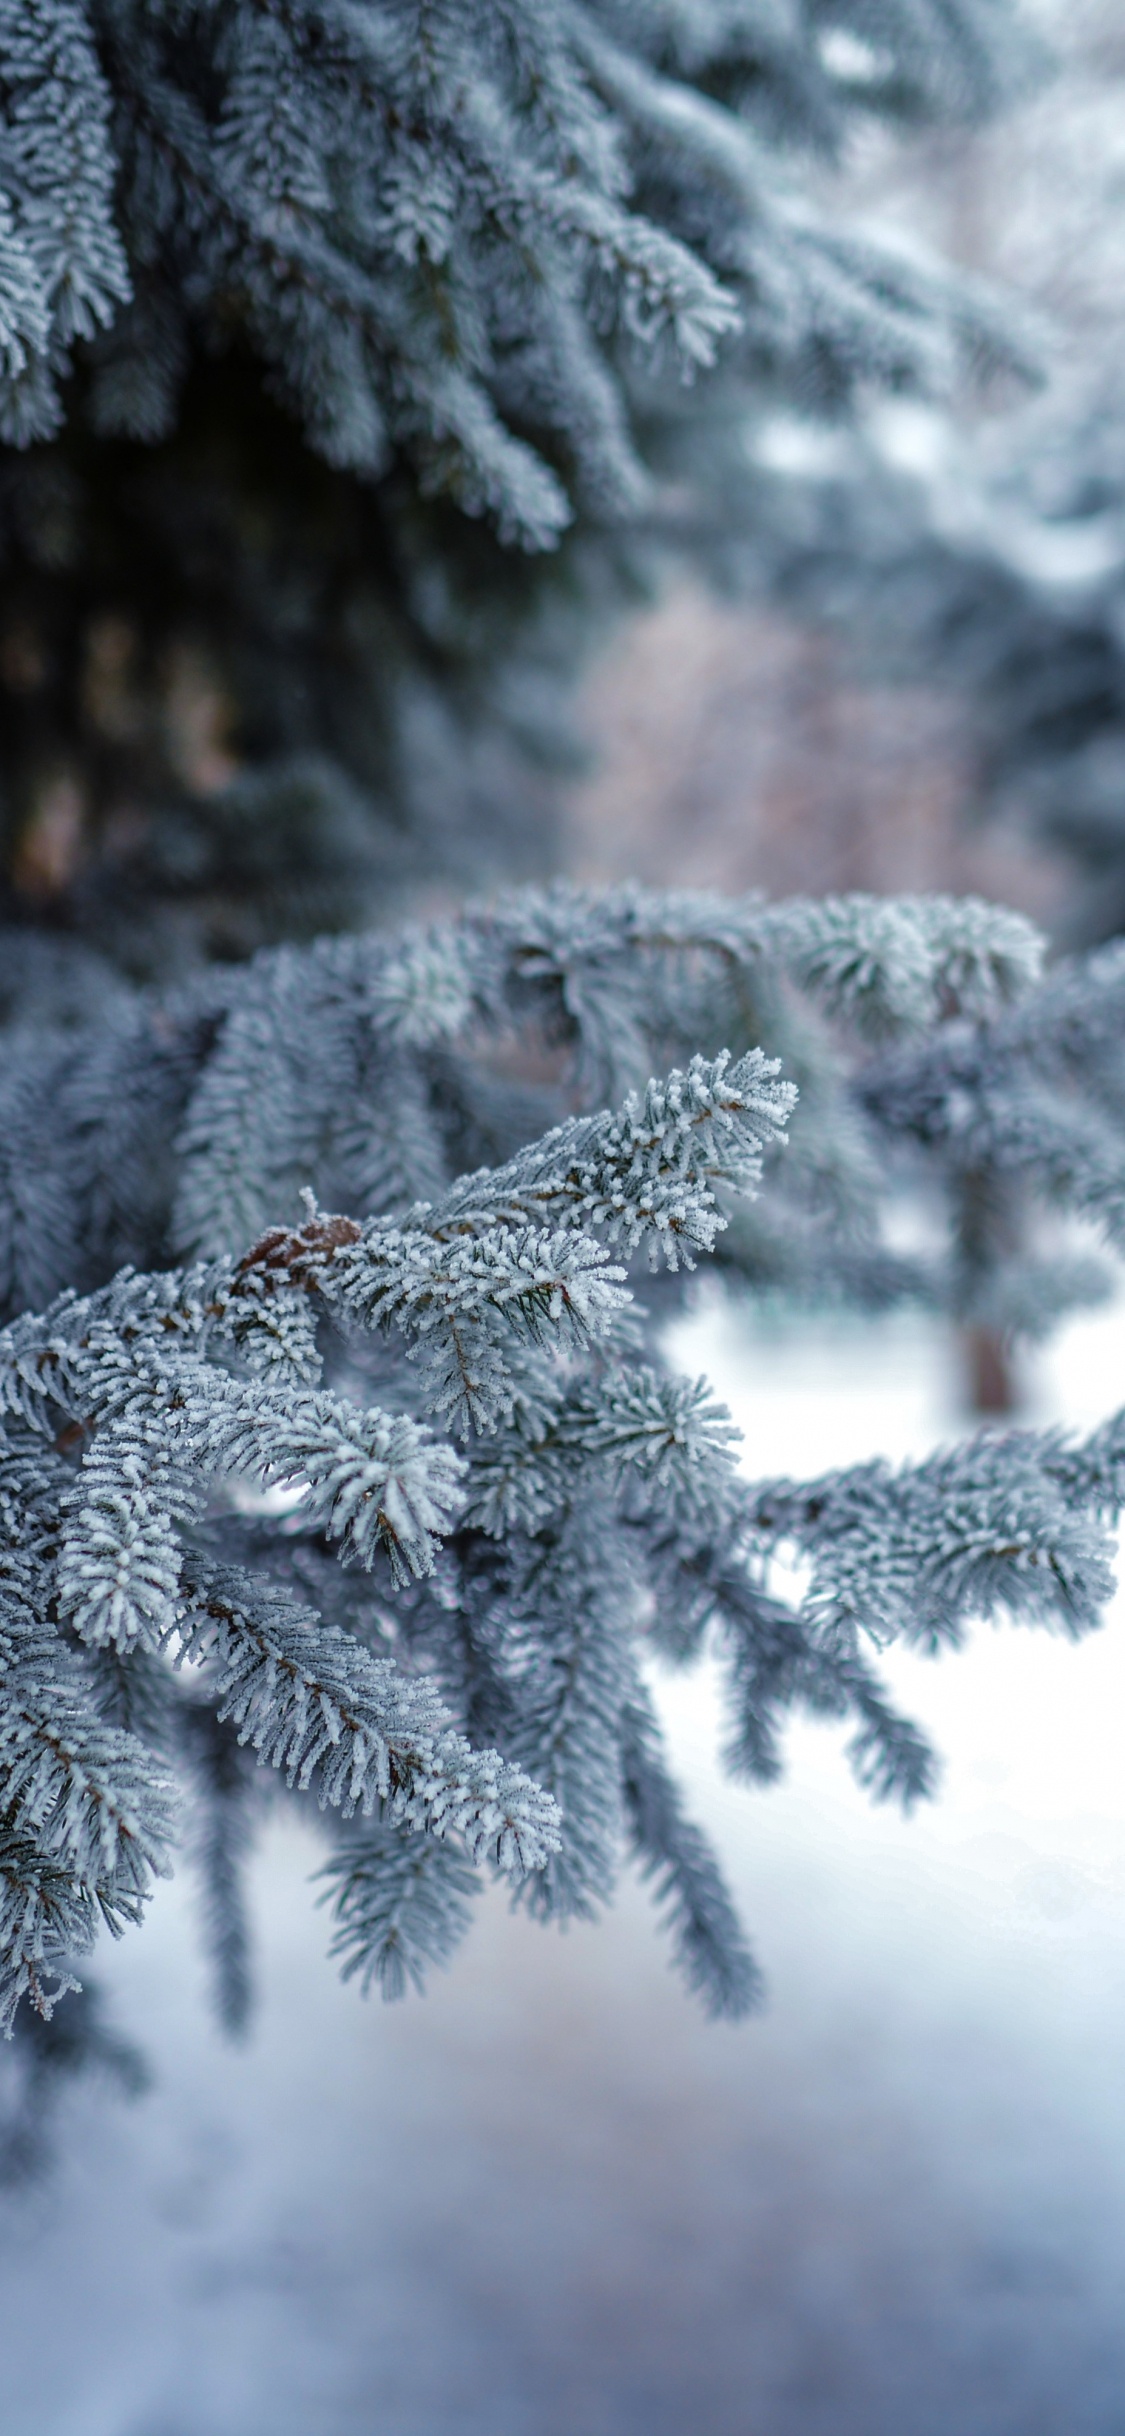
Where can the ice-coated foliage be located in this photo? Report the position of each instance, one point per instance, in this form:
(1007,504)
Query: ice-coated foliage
(325,327)
(127,1415)
(376,1070)
(436,224)
(63,272)
(400,1506)
(321,321)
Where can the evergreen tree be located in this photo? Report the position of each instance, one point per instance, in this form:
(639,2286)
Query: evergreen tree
(454,1391)
(355,357)
(324,325)
(1001,577)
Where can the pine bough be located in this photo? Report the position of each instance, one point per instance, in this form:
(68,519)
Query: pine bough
(445,230)
(323,324)
(402,1503)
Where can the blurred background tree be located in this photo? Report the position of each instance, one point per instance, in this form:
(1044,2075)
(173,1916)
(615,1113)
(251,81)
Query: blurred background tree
(916,676)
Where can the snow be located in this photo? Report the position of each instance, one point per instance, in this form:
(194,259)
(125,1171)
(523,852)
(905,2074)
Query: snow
(550,2200)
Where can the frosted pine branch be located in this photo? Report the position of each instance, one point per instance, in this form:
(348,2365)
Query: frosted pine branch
(48,1921)
(317,1706)
(350,1068)
(649,1175)
(675,1857)
(378,215)
(190,1452)
(1003,1525)
(93,1798)
(400,1903)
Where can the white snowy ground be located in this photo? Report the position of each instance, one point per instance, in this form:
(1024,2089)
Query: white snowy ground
(551,2201)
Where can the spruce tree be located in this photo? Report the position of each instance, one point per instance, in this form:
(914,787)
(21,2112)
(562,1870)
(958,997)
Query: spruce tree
(344,384)
(356,360)
(454,1387)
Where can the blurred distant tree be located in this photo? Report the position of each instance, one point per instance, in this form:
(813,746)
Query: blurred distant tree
(984,557)
(1000,578)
